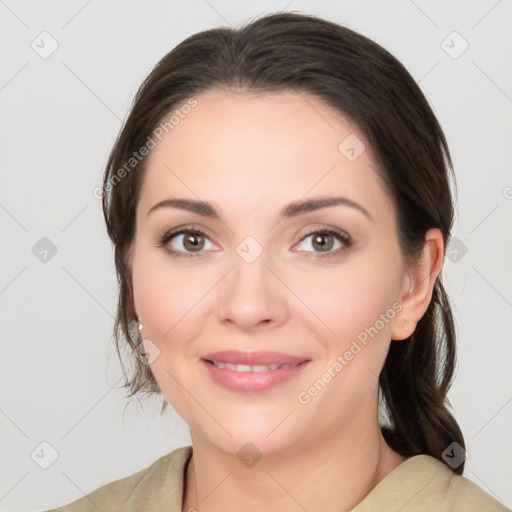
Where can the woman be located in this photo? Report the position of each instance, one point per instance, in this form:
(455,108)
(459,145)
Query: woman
(279,203)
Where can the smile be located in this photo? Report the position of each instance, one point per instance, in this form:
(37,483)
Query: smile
(256,368)
(252,372)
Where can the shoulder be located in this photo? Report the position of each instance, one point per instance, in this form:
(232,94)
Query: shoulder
(423,483)
(162,480)
(464,494)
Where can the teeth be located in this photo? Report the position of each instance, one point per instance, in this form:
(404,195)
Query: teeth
(256,368)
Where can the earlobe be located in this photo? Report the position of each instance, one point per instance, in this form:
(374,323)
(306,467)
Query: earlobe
(408,326)
(421,279)
(402,329)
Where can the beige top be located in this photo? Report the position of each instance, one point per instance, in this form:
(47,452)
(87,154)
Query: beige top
(420,484)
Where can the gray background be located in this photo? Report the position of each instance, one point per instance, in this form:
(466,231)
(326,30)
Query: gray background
(60,115)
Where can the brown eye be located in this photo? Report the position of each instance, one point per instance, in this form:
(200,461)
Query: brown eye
(323,241)
(184,242)
(193,241)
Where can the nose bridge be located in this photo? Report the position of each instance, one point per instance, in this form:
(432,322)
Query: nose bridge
(251,294)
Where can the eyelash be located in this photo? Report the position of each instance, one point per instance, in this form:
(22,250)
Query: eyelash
(341,236)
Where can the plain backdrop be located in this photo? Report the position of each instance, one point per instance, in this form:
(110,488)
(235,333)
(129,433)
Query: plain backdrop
(69,71)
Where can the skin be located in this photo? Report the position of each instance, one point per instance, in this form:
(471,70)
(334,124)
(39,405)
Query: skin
(250,156)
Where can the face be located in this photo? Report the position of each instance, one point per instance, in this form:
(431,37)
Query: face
(270,324)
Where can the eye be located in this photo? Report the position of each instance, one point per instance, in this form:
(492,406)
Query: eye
(323,240)
(191,239)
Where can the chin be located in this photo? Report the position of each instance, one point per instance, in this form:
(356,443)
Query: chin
(268,431)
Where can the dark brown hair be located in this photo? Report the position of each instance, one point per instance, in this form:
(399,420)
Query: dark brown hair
(365,83)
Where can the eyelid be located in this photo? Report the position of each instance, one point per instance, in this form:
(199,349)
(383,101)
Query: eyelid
(327,229)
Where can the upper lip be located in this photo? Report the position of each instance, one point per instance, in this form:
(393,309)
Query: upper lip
(262,358)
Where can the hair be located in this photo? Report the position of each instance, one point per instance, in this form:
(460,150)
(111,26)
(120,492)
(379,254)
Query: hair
(365,83)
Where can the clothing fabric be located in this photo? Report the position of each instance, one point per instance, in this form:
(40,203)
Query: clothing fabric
(420,484)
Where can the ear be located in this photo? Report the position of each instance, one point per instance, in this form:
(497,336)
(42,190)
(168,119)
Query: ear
(418,286)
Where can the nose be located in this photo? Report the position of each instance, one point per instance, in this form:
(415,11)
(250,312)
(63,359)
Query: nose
(251,297)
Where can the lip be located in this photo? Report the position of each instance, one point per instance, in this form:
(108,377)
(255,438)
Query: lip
(252,381)
(255,358)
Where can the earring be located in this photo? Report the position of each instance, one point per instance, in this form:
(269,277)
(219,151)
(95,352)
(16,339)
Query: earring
(139,324)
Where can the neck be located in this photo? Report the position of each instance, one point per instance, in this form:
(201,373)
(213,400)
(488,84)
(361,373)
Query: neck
(334,474)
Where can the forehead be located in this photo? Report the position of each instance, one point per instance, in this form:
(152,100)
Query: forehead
(260,149)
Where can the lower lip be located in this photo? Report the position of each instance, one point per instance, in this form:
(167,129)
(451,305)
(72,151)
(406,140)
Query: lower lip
(252,382)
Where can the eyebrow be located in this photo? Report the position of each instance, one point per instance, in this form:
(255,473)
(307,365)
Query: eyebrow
(294,209)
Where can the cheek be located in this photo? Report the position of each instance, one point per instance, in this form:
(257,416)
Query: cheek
(153,298)
(166,296)
(166,300)
(351,299)
(358,303)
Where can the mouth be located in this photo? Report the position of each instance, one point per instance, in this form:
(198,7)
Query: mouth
(255,368)
(252,372)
